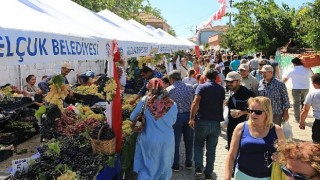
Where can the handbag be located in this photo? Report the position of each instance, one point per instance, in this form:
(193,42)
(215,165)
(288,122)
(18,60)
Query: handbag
(140,121)
(276,172)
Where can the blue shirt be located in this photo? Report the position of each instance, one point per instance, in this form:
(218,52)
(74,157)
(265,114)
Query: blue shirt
(182,94)
(255,153)
(277,92)
(211,103)
(235,64)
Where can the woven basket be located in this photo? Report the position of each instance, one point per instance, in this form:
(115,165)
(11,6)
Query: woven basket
(103,146)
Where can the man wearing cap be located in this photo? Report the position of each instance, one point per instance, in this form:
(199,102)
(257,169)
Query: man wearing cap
(300,77)
(208,106)
(257,73)
(237,101)
(277,92)
(65,70)
(247,80)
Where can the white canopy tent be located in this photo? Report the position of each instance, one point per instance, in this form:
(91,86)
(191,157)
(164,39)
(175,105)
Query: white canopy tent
(30,35)
(187,42)
(110,16)
(149,31)
(74,14)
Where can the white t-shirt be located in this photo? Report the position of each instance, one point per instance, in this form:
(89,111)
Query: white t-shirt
(313,99)
(190,81)
(300,77)
(184,70)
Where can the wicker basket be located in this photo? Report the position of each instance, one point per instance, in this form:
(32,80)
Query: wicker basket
(103,146)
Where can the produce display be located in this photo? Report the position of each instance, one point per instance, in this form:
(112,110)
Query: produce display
(127,108)
(58,91)
(110,89)
(88,90)
(66,153)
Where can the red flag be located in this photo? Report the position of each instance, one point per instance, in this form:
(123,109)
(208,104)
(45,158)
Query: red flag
(116,103)
(197,51)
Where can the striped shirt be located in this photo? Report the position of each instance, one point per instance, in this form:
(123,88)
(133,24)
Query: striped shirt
(182,94)
(278,94)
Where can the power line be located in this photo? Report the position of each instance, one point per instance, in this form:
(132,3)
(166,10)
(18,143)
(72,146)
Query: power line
(192,20)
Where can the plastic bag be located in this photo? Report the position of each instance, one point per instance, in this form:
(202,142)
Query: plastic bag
(224,124)
(287,129)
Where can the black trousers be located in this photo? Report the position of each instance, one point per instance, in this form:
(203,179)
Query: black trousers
(231,126)
(316,131)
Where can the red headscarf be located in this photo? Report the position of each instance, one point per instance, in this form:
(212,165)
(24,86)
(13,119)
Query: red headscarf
(158,103)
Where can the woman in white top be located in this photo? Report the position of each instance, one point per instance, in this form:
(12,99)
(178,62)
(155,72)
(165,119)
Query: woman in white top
(184,67)
(190,80)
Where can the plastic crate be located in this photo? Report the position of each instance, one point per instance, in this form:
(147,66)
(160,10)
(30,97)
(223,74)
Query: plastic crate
(309,61)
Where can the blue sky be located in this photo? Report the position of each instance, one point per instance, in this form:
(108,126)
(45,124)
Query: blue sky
(184,15)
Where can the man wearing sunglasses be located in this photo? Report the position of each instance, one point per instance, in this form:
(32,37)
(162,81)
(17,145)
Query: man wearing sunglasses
(277,92)
(300,160)
(237,101)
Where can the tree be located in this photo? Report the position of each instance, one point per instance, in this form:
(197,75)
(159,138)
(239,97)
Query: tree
(308,19)
(260,25)
(126,9)
(172,32)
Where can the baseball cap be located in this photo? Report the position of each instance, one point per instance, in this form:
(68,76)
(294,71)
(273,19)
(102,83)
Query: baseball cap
(244,67)
(232,76)
(67,65)
(266,68)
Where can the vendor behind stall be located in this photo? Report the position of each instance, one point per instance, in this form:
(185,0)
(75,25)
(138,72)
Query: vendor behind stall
(33,91)
(65,70)
(85,79)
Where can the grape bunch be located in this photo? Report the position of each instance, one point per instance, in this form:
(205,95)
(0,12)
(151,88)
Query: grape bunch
(126,114)
(49,123)
(75,153)
(70,125)
(101,82)
(57,94)
(106,132)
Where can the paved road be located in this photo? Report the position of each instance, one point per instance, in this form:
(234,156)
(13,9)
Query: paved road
(221,152)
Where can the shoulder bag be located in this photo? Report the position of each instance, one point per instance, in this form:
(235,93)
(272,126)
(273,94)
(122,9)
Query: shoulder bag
(139,123)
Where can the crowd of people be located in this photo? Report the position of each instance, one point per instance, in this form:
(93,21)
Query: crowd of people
(191,100)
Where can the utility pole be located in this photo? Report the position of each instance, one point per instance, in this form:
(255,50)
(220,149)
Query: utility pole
(230,2)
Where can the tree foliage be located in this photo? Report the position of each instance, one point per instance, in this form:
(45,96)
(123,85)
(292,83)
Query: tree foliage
(126,9)
(308,21)
(260,25)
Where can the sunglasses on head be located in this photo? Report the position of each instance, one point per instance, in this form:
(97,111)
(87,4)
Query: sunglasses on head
(257,112)
(288,173)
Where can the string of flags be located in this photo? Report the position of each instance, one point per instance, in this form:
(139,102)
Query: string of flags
(215,16)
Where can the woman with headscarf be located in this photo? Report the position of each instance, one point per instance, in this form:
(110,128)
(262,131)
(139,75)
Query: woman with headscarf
(155,144)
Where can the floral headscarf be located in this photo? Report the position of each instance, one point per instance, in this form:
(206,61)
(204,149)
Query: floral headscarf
(158,102)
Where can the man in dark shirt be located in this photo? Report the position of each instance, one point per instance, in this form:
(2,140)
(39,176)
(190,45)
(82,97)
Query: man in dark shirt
(237,102)
(208,104)
(146,73)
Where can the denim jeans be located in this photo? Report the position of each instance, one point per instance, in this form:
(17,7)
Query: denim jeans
(206,132)
(298,95)
(181,127)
